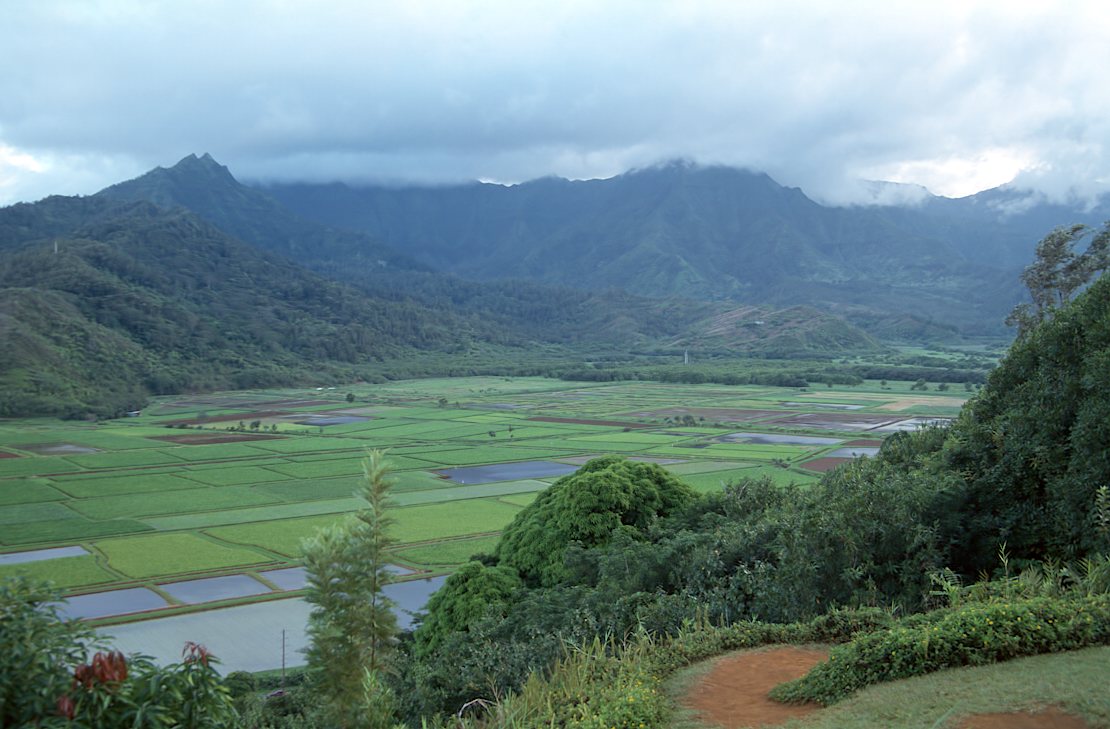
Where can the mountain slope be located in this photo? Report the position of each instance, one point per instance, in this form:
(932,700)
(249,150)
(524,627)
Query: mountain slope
(103,302)
(515,312)
(208,189)
(706,232)
(166,302)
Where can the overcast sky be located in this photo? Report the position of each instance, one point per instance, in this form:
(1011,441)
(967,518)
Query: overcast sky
(955,96)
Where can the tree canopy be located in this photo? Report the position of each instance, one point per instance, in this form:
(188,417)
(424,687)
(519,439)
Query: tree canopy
(587,508)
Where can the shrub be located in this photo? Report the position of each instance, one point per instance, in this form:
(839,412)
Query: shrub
(973,635)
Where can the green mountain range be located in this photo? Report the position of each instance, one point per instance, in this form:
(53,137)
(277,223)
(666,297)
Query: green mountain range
(715,233)
(144,289)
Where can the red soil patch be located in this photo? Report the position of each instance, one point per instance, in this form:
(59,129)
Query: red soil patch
(257,415)
(864,442)
(820,465)
(213,438)
(734,693)
(579,421)
(1050,718)
(5,454)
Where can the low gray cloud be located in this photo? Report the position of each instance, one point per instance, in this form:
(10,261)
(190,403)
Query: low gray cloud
(956,96)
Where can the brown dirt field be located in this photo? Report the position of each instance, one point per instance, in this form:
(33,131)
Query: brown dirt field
(1049,718)
(5,454)
(864,442)
(820,465)
(734,693)
(257,415)
(905,403)
(580,421)
(213,438)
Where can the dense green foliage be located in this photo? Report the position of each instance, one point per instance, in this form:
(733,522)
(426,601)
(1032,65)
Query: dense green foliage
(108,299)
(1034,446)
(470,593)
(45,680)
(968,636)
(712,232)
(1021,465)
(606,497)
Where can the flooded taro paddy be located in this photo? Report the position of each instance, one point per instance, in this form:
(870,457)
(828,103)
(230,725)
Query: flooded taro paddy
(193,512)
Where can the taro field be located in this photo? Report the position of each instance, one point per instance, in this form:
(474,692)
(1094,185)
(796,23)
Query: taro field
(203,501)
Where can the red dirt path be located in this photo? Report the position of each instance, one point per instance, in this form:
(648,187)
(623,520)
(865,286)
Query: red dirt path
(5,454)
(734,693)
(1050,718)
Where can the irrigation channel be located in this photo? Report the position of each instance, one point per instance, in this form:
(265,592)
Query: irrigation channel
(250,637)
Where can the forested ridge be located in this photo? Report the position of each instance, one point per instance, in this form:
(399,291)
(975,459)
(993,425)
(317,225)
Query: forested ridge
(184,280)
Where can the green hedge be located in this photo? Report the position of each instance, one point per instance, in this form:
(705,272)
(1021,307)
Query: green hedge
(968,636)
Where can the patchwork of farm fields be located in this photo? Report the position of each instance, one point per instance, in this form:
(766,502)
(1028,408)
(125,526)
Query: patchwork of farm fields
(230,483)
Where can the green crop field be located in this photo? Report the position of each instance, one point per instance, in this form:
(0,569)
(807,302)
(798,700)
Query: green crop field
(210,498)
(452,552)
(64,572)
(165,554)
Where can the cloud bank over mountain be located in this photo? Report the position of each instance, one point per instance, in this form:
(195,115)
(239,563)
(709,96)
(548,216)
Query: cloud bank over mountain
(955,96)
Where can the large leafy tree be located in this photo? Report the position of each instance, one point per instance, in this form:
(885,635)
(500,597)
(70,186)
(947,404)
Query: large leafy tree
(352,626)
(587,508)
(474,591)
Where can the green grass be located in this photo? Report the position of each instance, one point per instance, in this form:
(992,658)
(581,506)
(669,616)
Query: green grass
(67,530)
(474,491)
(166,554)
(173,502)
(232,475)
(85,488)
(218,451)
(685,469)
(35,466)
(312,489)
(321,469)
(257,513)
(27,491)
(480,455)
(64,572)
(520,499)
(308,444)
(41,511)
(1074,681)
(453,552)
(283,537)
(124,459)
(438,521)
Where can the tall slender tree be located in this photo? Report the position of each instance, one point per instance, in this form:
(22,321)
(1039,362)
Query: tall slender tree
(1059,273)
(352,627)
